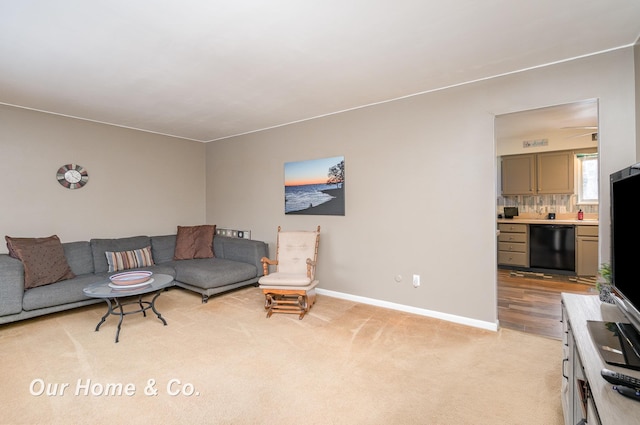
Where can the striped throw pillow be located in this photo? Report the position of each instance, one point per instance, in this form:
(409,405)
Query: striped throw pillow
(129,259)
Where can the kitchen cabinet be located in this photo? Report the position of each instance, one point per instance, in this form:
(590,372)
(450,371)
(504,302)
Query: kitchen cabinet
(554,172)
(587,250)
(516,244)
(541,173)
(519,174)
(513,245)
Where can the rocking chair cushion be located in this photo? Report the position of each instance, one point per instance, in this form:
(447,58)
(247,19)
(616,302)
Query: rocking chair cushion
(294,248)
(267,288)
(285,279)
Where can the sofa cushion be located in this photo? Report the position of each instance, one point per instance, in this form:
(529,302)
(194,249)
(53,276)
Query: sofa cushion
(43,260)
(165,268)
(243,250)
(124,260)
(68,291)
(194,242)
(11,285)
(163,248)
(213,272)
(100,246)
(79,257)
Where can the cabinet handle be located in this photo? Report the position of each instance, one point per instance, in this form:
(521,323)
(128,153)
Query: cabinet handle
(563,374)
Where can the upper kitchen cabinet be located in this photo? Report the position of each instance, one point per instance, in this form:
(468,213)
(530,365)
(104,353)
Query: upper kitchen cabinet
(519,174)
(555,172)
(541,173)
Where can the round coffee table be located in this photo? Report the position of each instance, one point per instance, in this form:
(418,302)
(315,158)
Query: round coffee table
(119,296)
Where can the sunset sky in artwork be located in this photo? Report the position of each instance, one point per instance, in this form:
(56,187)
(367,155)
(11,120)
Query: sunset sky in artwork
(315,171)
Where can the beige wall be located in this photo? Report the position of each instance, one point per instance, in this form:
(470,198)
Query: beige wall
(139,183)
(420,182)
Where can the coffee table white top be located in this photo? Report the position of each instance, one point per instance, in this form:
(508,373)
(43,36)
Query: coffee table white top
(106,290)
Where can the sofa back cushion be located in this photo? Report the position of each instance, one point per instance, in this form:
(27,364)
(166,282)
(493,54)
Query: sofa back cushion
(163,248)
(79,257)
(11,285)
(100,246)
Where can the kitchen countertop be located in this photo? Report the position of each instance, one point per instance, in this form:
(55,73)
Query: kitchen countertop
(576,222)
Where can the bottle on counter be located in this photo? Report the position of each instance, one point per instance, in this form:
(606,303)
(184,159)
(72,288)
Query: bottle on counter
(580,215)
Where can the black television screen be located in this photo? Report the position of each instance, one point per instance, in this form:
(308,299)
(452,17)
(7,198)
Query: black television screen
(625,236)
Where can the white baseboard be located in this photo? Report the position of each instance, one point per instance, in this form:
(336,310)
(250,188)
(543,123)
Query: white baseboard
(414,310)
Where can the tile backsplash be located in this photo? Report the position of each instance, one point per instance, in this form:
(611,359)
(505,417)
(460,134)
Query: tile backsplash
(543,204)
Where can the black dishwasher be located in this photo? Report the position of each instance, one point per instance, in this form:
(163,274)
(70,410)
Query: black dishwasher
(552,247)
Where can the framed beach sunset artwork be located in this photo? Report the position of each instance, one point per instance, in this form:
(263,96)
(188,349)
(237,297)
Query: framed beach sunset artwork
(314,187)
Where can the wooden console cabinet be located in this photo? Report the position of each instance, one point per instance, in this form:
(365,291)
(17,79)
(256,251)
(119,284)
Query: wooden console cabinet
(586,396)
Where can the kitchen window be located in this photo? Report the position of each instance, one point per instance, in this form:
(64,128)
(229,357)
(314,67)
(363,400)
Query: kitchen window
(587,173)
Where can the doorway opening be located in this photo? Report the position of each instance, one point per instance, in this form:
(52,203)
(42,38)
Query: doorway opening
(547,172)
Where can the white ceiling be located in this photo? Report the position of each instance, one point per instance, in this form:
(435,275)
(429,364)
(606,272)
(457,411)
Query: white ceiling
(566,121)
(210,69)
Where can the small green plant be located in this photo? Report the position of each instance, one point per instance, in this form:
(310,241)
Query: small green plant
(605,273)
(604,286)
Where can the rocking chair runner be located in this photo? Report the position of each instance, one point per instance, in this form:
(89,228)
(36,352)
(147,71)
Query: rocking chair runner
(291,288)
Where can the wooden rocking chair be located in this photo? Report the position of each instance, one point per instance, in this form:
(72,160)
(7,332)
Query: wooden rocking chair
(291,288)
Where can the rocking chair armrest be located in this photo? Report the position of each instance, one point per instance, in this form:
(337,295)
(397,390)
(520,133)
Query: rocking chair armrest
(266,263)
(311,268)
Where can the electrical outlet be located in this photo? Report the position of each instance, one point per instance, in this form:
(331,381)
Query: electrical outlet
(416,280)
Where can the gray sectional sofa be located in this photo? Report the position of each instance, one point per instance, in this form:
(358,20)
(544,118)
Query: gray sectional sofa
(236,264)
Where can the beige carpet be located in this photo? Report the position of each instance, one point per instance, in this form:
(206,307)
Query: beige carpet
(344,363)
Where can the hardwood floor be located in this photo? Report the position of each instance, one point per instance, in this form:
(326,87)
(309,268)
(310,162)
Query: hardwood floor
(532,304)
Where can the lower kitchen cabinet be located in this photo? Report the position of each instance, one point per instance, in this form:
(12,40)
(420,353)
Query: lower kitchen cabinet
(587,250)
(513,244)
(514,248)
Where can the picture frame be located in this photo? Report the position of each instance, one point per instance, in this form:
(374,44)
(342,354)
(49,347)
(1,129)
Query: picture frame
(315,187)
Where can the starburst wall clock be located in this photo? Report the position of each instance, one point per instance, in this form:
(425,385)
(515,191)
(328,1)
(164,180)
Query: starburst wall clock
(72,176)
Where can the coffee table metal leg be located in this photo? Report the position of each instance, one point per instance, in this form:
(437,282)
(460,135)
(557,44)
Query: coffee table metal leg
(144,305)
(153,307)
(121,307)
(109,311)
(144,310)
